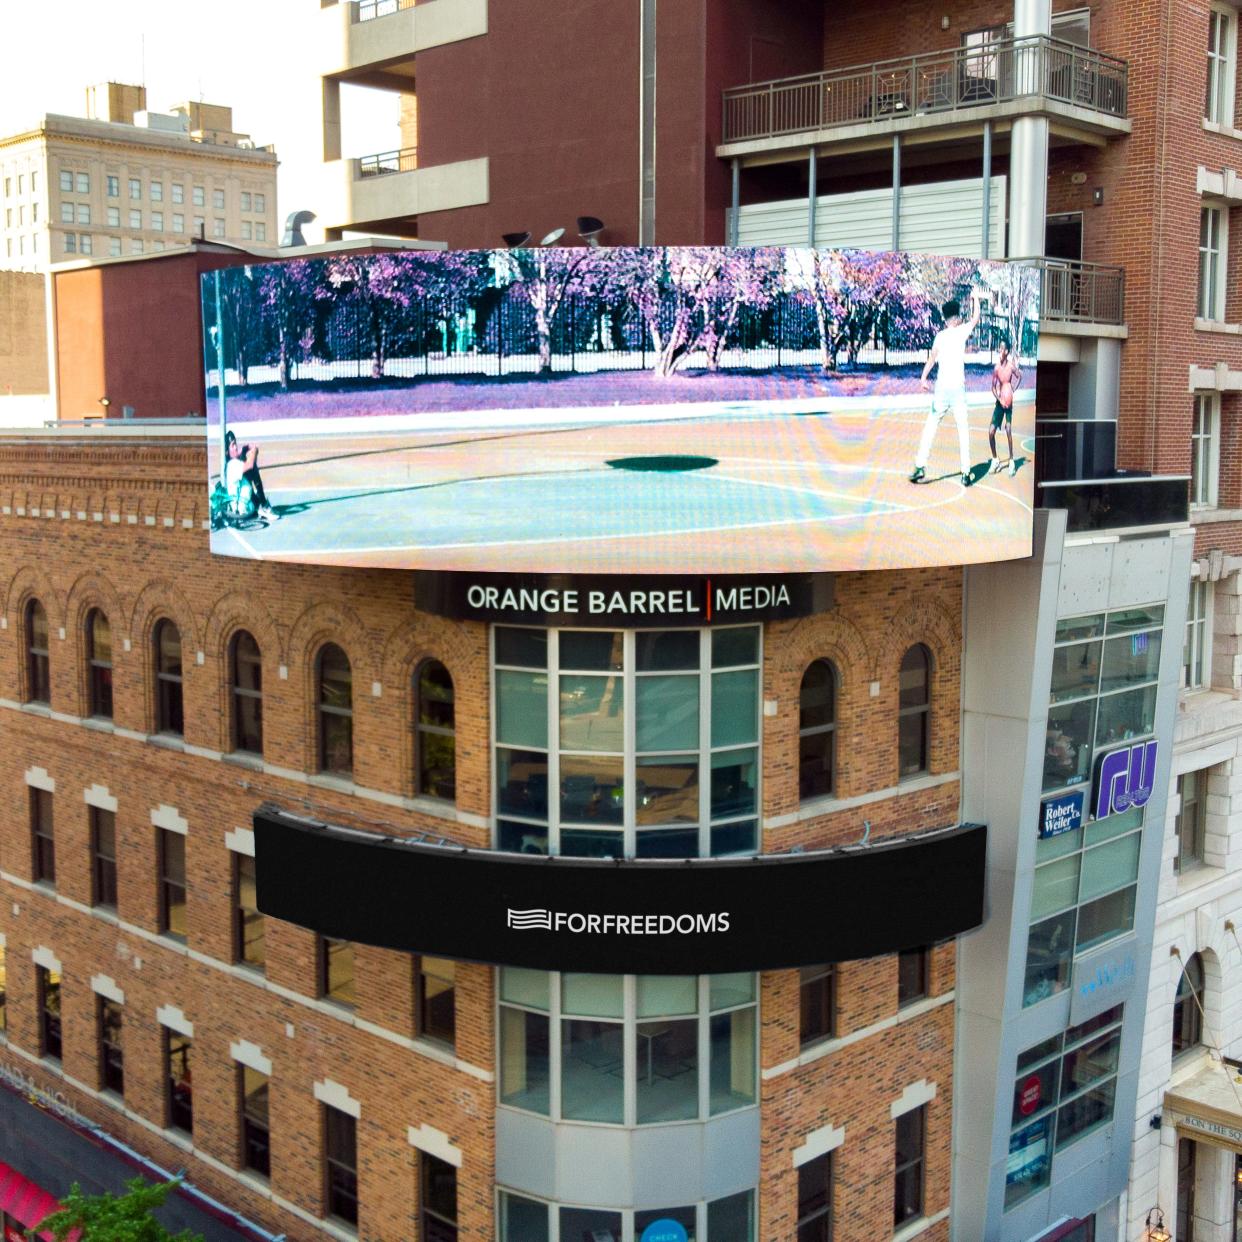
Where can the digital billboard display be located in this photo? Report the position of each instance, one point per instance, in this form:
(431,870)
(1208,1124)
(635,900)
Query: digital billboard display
(649,410)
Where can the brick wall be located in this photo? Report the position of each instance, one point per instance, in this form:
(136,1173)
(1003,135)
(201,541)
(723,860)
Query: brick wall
(119,526)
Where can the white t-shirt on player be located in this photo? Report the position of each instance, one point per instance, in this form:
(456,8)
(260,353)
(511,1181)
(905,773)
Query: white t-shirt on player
(234,471)
(950,347)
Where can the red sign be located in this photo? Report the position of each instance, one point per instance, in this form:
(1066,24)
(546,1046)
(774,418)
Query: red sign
(13,1234)
(1028,1097)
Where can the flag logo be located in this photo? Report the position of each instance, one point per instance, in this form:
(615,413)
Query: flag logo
(530,920)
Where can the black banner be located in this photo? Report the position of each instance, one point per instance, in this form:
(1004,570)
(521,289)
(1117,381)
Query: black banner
(620,600)
(700,916)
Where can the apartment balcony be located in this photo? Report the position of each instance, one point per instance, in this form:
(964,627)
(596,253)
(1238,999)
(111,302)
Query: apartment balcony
(386,192)
(374,42)
(932,97)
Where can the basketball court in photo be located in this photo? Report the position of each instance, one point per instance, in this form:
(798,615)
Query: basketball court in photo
(768,487)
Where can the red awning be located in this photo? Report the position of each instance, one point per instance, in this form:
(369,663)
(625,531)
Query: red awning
(23,1200)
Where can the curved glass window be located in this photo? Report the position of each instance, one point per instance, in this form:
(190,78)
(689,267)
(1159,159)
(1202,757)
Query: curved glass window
(523,1219)
(625,1049)
(627,744)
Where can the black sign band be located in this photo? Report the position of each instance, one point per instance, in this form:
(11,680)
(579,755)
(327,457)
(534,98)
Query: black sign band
(701,916)
(620,601)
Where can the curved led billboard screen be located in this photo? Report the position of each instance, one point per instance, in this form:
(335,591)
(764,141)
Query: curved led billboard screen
(699,916)
(599,411)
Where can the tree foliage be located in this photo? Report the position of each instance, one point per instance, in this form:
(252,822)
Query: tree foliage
(114,1218)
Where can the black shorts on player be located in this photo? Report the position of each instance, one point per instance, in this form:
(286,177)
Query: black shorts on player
(1001,415)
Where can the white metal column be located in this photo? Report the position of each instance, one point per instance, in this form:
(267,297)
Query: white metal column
(1028,158)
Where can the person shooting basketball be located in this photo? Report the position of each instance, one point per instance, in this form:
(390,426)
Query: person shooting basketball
(948,355)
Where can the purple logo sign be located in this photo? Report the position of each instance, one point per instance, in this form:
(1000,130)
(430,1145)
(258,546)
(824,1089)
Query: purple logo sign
(1125,778)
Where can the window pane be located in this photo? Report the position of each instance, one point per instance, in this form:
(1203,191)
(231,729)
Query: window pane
(592,713)
(524,1060)
(1125,716)
(521,647)
(594,996)
(589,649)
(1035,1089)
(739,837)
(519,838)
(732,1219)
(435,695)
(725,991)
(1110,866)
(591,1071)
(583,843)
(1029,1163)
(1132,659)
(168,642)
(1075,671)
(1127,619)
(522,708)
(732,1060)
(437,1000)
(912,744)
(522,783)
(735,707)
(589,1225)
(522,1220)
(1049,949)
(592,789)
(1080,627)
(1101,920)
(1081,1116)
(668,713)
(667,843)
(338,970)
(525,987)
(1089,1062)
(667,994)
(816,1003)
(735,646)
(734,777)
(1067,750)
(667,790)
(664,651)
(1056,887)
(913,678)
(817,701)
(666,1070)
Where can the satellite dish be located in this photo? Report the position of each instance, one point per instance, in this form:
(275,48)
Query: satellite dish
(553,237)
(293,228)
(514,240)
(589,229)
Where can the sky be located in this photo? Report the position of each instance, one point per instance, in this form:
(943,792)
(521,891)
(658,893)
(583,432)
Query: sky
(259,56)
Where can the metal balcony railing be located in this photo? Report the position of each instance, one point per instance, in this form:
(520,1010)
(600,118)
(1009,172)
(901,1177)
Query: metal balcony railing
(1075,292)
(405,160)
(370,9)
(966,77)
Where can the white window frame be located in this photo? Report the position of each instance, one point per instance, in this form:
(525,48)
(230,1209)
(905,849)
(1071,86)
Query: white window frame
(1222,66)
(1198,636)
(1212,308)
(1205,451)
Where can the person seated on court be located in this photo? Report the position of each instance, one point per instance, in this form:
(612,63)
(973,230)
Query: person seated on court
(242,480)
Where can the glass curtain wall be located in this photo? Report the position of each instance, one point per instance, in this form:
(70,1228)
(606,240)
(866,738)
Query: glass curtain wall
(627,743)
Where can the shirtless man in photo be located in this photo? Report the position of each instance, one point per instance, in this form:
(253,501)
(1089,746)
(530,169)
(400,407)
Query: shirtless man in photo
(1006,376)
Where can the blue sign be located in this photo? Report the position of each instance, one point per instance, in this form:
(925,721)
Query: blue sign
(1124,778)
(664,1230)
(1058,815)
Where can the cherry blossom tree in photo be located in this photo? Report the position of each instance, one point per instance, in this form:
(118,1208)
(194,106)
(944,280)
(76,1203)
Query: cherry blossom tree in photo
(285,294)
(548,277)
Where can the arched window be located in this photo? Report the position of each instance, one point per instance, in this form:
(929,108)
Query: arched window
(38,671)
(169,714)
(1188,1008)
(335,695)
(913,711)
(434,741)
(246,678)
(817,731)
(98,665)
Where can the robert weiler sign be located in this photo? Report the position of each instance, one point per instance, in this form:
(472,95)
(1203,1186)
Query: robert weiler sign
(662,600)
(701,916)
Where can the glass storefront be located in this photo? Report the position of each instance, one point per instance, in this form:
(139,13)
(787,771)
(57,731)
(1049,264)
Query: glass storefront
(731,1219)
(625,1049)
(635,744)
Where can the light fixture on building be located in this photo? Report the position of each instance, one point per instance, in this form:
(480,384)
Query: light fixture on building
(1156,1232)
(589,229)
(105,403)
(514,240)
(1097,196)
(552,238)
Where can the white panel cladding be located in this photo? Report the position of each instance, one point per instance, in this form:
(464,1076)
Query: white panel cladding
(945,217)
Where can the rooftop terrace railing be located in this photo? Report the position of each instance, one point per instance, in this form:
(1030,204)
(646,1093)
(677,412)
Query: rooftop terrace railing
(966,77)
(405,160)
(368,10)
(1072,291)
